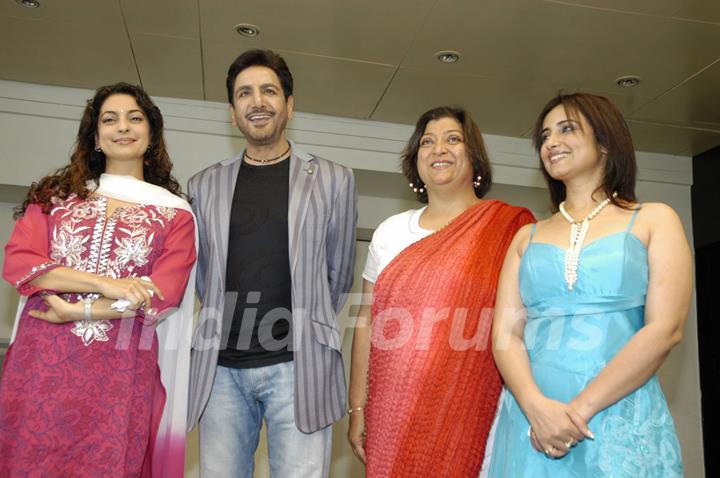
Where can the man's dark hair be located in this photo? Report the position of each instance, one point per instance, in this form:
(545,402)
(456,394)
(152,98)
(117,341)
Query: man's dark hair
(266,58)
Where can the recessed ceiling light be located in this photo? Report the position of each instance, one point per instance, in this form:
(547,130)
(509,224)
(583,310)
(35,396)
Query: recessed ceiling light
(28,3)
(628,81)
(447,56)
(247,29)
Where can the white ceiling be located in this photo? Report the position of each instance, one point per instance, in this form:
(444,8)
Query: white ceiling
(373,59)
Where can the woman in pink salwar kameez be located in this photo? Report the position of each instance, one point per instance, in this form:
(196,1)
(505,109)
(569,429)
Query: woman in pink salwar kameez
(94,383)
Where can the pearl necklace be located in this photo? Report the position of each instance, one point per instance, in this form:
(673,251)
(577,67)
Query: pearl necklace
(578,231)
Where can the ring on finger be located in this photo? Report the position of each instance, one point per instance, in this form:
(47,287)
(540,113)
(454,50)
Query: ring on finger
(570,443)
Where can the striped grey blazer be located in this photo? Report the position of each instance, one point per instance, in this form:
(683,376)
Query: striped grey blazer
(321,230)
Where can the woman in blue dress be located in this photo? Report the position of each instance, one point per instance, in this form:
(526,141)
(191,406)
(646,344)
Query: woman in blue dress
(582,325)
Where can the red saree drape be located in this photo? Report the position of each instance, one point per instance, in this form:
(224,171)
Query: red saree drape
(433,385)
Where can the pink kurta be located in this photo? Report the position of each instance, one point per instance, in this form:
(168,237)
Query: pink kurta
(85,399)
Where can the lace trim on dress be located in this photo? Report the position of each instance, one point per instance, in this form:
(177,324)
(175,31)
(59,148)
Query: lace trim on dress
(105,247)
(95,245)
(640,442)
(34,272)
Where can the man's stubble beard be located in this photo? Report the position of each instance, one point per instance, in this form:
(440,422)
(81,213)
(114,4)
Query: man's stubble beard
(271,138)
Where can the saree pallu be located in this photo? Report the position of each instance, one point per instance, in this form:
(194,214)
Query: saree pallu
(433,385)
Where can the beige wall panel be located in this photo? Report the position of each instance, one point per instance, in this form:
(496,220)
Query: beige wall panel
(621,97)
(624,98)
(162,17)
(559,45)
(8,294)
(693,103)
(383,184)
(169,66)
(96,13)
(322,85)
(520,47)
(701,10)
(499,107)
(370,30)
(54,52)
(680,141)
(652,7)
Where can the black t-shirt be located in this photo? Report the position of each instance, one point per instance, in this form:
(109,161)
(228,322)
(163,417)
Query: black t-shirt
(258,269)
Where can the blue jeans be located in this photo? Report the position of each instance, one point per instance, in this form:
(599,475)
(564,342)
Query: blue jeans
(230,426)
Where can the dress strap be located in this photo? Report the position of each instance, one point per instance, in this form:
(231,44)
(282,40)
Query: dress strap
(632,219)
(532,232)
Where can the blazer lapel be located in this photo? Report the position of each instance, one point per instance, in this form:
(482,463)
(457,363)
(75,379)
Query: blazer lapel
(303,171)
(223,207)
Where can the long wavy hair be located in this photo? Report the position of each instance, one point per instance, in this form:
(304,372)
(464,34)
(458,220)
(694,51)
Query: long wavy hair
(86,164)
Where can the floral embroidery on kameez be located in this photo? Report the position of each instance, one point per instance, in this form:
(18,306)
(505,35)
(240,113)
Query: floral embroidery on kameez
(133,241)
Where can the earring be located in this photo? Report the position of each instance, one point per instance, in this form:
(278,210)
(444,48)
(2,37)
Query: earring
(477,182)
(420,188)
(97,149)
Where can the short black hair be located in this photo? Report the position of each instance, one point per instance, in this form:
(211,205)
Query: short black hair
(474,146)
(257,57)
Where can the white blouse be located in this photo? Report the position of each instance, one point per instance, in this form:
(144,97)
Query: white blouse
(391,237)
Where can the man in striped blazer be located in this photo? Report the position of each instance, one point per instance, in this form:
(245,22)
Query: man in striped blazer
(276,255)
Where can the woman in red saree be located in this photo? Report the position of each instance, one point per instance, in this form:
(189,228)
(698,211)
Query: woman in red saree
(423,383)
(101,253)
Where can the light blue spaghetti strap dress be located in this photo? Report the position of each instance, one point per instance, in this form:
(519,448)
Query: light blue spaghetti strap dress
(570,336)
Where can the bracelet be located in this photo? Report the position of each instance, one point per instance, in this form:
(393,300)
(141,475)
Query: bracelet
(87,308)
(355,410)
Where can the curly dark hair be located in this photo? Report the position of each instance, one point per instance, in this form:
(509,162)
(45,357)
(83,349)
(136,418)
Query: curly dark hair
(86,164)
(474,145)
(611,132)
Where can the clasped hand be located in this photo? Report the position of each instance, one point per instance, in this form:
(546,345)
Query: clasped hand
(138,292)
(135,290)
(556,427)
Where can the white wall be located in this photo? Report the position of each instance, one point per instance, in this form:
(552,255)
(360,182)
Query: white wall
(8,296)
(38,125)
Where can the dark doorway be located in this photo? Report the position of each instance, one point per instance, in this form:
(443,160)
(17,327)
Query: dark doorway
(706,235)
